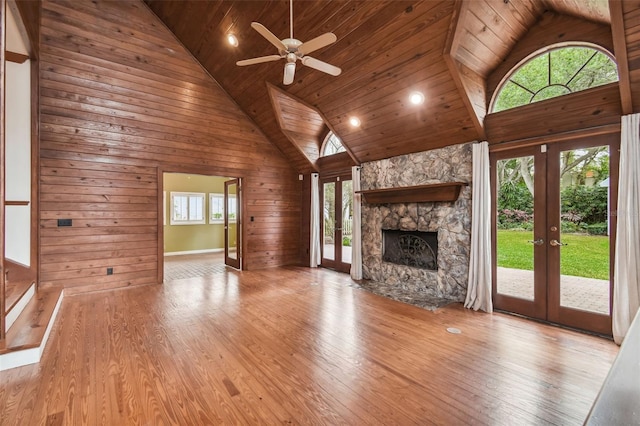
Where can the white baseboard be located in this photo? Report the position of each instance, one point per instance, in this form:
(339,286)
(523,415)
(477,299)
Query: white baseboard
(180,253)
(32,355)
(17,309)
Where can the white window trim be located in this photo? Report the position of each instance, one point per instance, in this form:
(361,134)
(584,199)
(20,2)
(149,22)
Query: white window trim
(188,222)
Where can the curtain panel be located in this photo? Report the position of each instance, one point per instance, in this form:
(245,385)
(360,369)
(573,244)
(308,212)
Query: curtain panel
(314,249)
(626,272)
(479,283)
(356,237)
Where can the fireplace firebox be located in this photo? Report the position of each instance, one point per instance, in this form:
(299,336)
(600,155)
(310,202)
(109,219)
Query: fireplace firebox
(410,248)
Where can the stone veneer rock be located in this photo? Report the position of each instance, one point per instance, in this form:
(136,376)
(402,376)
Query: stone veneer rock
(452,221)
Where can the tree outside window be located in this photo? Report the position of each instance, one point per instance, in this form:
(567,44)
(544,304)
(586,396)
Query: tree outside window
(557,71)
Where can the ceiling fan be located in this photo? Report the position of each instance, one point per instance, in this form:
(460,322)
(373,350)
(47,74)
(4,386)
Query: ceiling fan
(292,49)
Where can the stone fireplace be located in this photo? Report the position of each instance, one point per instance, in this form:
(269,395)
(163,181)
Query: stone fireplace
(448,223)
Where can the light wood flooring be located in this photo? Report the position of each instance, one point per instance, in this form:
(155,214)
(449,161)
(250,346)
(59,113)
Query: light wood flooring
(297,346)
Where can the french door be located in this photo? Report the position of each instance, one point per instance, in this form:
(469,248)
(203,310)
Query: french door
(337,220)
(554,231)
(232,223)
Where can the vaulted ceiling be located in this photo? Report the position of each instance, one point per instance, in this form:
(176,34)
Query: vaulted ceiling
(386,49)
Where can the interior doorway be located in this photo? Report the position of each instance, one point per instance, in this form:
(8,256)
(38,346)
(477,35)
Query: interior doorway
(554,231)
(201,225)
(337,221)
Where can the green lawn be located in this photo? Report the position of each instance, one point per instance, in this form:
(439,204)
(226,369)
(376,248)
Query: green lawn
(583,256)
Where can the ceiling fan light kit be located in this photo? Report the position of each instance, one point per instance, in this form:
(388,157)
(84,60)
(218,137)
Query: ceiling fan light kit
(292,49)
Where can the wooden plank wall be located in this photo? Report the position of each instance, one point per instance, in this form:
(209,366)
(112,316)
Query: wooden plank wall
(631,14)
(591,108)
(120,99)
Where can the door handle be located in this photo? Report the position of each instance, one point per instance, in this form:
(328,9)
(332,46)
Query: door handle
(338,229)
(556,243)
(537,242)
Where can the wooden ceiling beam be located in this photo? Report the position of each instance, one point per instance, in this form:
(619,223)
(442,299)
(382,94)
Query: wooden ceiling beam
(308,114)
(14,57)
(27,14)
(620,50)
(472,97)
(310,151)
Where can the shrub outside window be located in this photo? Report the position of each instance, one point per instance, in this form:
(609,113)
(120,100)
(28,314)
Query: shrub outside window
(216,208)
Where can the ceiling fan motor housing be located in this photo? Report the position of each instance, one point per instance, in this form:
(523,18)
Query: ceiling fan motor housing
(292,46)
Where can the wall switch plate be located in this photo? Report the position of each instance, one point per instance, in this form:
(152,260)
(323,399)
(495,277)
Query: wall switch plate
(65,222)
(109,271)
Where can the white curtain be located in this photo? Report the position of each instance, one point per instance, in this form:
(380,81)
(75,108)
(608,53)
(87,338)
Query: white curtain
(626,273)
(356,235)
(314,250)
(479,284)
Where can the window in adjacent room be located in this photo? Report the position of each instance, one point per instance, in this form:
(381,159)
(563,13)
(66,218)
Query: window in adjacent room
(216,208)
(187,208)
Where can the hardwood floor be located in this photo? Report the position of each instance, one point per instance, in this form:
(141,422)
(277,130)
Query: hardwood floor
(296,345)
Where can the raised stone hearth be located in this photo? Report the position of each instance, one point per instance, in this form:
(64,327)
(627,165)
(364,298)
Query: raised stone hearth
(451,221)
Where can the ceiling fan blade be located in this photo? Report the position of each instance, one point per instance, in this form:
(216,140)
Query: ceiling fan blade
(289,72)
(321,66)
(317,43)
(264,32)
(259,60)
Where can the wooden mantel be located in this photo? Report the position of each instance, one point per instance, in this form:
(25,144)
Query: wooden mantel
(447,191)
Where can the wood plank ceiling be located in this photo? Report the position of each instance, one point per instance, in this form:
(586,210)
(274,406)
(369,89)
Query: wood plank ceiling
(386,50)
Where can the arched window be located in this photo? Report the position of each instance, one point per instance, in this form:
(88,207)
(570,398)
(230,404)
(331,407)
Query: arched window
(555,72)
(332,145)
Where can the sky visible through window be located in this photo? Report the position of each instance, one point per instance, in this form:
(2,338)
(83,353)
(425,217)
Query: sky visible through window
(333,145)
(556,72)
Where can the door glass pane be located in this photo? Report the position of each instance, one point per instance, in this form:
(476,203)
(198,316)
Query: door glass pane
(514,237)
(347,220)
(584,257)
(232,209)
(329,217)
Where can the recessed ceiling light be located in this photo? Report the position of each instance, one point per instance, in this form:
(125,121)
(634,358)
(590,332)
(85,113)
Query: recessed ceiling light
(416,98)
(354,121)
(232,40)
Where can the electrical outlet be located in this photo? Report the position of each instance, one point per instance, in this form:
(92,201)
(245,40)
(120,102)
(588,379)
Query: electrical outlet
(65,222)
(109,271)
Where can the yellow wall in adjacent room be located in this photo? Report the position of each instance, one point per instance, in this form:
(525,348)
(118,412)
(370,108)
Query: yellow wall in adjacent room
(181,238)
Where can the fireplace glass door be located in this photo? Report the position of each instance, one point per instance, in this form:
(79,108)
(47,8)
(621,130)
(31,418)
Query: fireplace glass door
(337,220)
(553,231)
